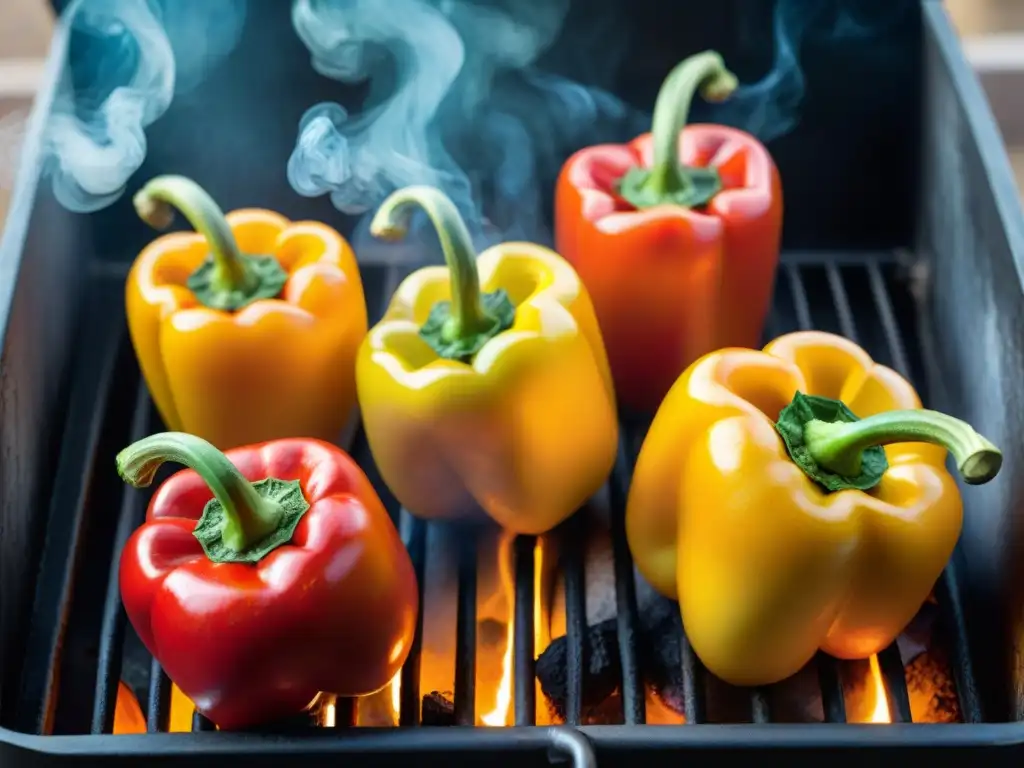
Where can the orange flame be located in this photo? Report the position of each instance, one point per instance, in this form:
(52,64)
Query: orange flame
(502,712)
(396,694)
(880,711)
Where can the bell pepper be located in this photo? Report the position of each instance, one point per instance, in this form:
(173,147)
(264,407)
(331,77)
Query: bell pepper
(500,399)
(265,576)
(784,523)
(676,236)
(245,330)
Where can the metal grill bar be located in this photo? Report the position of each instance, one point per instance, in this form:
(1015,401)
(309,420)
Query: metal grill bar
(114,617)
(158,706)
(627,618)
(414,535)
(833,705)
(523,659)
(465,635)
(571,539)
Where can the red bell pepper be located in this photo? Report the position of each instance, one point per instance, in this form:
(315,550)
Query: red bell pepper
(675,235)
(264,576)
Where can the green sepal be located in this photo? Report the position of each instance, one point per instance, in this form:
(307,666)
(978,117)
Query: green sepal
(286,493)
(806,408)
(268,279)
(497,306)
(692,188)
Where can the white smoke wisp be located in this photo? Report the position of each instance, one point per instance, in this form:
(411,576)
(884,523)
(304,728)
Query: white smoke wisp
(439,113)
(127,60)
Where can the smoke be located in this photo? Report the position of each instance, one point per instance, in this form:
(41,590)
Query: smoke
(127,60)
(458,102)
(450,88)
(770,107)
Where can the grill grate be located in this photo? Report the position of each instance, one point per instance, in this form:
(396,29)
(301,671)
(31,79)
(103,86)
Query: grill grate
(79,624)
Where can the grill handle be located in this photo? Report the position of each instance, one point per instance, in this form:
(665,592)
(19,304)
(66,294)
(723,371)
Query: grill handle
(572,744)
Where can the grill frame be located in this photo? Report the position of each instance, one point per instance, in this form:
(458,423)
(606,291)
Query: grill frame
(95,393)
(613,745)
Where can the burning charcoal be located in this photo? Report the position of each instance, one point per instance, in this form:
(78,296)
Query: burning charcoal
(438,709)
(601,674)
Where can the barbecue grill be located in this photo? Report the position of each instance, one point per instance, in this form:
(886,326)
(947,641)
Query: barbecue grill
(903,233)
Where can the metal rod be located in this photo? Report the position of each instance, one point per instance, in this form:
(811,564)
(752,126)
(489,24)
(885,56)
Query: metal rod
(158,707)
(841,302)
(895,684)
(523,659)
(833,702)
(693,684)
(465,633)
(954,622)
(634,709)
(571,539)
(414,535)
(108,665)
(887,317)
(200,723)
(800,301)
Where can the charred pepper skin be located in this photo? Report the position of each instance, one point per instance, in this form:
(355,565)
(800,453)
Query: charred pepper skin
(251,628)
(676,236)
(769,565)
(502,402)
(241,359)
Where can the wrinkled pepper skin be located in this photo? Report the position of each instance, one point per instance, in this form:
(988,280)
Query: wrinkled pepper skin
(278,367)
(333,609)
(527,431)
(767,566)
(670,283)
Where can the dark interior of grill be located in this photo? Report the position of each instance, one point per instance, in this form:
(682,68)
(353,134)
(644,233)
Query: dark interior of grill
(552,630)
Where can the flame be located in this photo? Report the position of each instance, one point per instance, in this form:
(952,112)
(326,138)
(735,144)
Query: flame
(501,714)
(880,711)
(128,717)
(396,694)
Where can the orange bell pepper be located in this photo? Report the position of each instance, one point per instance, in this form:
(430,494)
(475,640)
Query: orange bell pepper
(679,259)
(247,329)
(781,521)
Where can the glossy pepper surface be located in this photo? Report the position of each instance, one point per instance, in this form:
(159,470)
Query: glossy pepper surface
(245,330)
(777,518)
(501,399)
(676,236)
(264,576)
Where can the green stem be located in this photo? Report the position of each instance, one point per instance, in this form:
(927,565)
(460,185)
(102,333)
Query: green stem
(839,446)
(391,222)
(667,181)
(705,71)
(155,204)
(248,517)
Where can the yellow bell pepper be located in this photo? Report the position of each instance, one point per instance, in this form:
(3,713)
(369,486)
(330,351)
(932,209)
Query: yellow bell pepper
(501,399)
(247,329)
(782,538)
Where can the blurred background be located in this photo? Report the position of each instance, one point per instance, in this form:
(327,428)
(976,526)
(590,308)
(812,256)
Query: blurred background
(992,33)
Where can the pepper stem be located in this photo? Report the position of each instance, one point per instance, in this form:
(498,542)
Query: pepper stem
(666,181)
(839,446)
(248,517)
(456,330)
(226,280)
